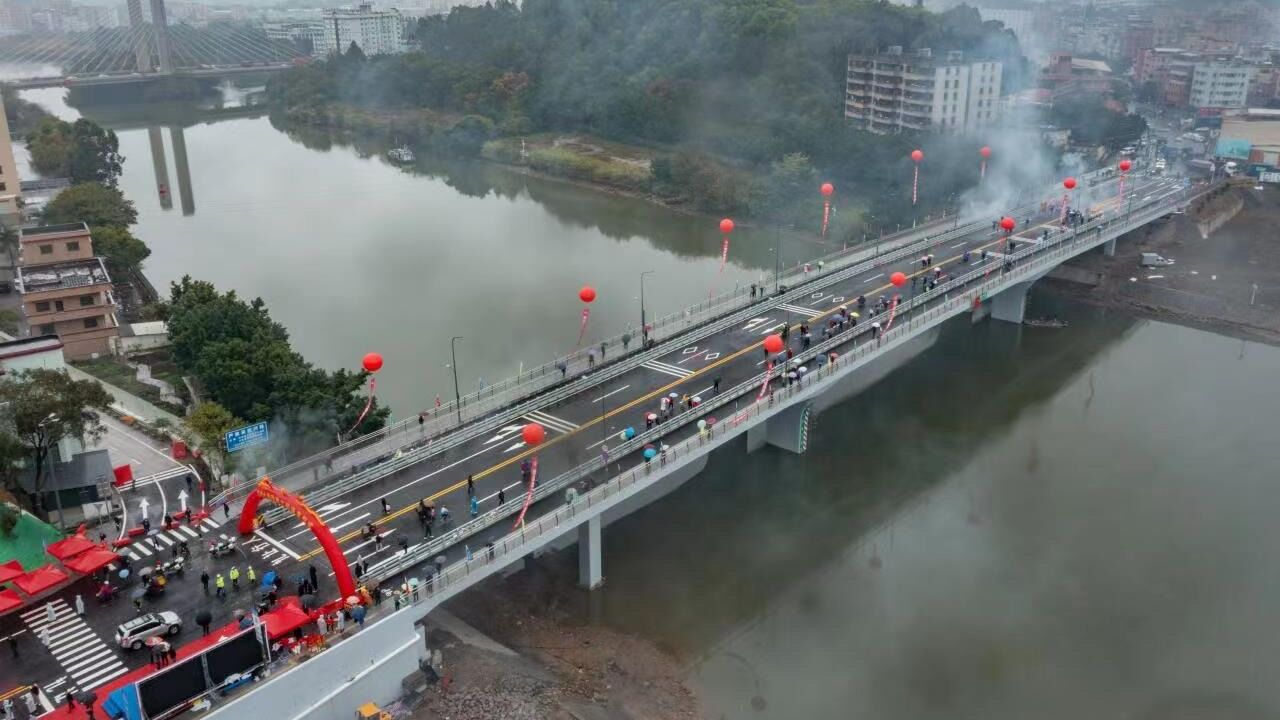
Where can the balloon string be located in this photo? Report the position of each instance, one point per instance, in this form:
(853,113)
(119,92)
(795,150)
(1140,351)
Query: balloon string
(367,406)
(724,255)
(826,217)
(528,498)
(582,330)
(764,386)
(893,311)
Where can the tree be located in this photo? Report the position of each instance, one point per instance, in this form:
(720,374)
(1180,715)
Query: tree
(82,151)
(123,252)
(91,203)
(12,452)
(210,422)
(9,242)
(9,321)
(47,406)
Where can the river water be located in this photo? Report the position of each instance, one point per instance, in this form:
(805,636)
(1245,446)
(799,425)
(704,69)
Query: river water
(1023,523)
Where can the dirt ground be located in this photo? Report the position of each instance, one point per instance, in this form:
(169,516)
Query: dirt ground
(564,667)
(1226,279)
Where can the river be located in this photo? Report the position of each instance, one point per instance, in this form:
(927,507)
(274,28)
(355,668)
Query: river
(1023,523)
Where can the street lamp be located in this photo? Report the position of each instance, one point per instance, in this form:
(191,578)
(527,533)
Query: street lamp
(457,395)
(53,475)
(644,328)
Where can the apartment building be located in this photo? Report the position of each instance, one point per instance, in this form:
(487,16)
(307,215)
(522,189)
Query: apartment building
(66,291)
(375,32)
(1220,85)
(10,185)
(896,91)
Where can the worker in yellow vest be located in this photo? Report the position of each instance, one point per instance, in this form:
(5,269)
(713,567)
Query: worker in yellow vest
(253,577)
(221,586)
(235,578)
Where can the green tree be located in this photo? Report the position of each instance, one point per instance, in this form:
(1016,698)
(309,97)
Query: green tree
(47,406)
(82,151)
(91,203)
(9,242)
(123,252)
(210,422)
(9,321)
(12,453)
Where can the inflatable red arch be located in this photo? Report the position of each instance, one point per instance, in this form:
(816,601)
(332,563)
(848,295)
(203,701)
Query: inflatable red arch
(267,490)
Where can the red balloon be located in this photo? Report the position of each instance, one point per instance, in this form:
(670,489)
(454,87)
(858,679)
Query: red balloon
(533,434)
(1125,165)
(985,152)
(773,344)
(1008,224)
(372,362)
(898,279)
(917,155)
(726,226)
(587,294)
(1069,183)
(828,189)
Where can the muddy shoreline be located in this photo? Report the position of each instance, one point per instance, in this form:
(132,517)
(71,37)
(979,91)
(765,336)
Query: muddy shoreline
(1226,272)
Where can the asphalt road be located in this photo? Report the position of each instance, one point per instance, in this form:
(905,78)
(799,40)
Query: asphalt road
(577,430)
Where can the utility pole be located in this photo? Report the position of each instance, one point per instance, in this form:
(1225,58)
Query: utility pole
(457,396)
(644,327)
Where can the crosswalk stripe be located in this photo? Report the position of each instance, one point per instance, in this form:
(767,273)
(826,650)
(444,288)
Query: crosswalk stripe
(810,312)
(87,664)
(57,605)
(209,524)
(109,676)
(142,548)
(101,675)
(189,532)
(553,420)
(165,539)
(668,369)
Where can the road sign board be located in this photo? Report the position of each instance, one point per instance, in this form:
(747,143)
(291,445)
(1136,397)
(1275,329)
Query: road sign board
(246,436)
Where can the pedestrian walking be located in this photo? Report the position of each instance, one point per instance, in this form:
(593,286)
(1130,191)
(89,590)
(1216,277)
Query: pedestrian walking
(253,577)
(715,385)
(626,340)
(314,575)
(475,506)
(172,652)
(33,699)
(220,587)
(591,358)
(204,581)
(563,368)
(50,615)
(8,709)
(364,567)
(226,510)
(444,515)
(137,605)
(322,624)
(386,507)
(234,573)
(79,606)
(13,646)
(502,496)
(342,621)
(603,345)
(471,486)
(44,636)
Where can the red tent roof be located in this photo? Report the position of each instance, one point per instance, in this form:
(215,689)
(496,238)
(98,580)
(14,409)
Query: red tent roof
(9,600)
(40,579)
(287,617)
(90,561)
(10,570)
(70,547)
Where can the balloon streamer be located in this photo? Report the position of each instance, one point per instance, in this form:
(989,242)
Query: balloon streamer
(582,330)
(1062,218)
(915,186)
(893,311)
(528,497)
(982,174)
(764,386)
(826,217)
(367,406)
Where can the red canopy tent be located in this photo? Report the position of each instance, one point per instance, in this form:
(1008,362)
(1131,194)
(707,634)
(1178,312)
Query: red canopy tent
(88,562)
(70,547)
(285,618)
(9,600)
(40,579)
(10,570)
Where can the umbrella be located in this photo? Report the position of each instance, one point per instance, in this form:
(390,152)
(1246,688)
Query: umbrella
(154,641)
(649,453)
(86,697)
(204,618)
(138,593)
(308,602)
(353,600)
(697,399)
(652,416)
(674,396)
(855,314)
(630,432)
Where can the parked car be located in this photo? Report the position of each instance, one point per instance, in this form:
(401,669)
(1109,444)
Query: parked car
(134,634)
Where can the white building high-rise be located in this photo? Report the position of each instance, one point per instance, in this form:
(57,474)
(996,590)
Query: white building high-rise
(892,92)
(375,32)
(1220,85)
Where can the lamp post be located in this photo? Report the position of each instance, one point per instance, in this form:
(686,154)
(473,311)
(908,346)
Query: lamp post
(53,475)
(457,396)
(644,328)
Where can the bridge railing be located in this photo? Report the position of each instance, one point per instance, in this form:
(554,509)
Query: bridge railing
(1032,260)
(383,445)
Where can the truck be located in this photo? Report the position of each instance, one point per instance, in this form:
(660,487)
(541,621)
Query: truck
(1155,260)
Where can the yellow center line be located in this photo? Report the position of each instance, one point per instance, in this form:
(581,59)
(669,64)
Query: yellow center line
(644,398)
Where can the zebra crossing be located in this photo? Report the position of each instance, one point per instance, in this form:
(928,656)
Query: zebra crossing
(800,310)
(551,421)
(157,478)
(665,368)
(85,657)
(162,541)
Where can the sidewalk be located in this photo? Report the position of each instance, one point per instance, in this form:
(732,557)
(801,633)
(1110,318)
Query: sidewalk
(127,402)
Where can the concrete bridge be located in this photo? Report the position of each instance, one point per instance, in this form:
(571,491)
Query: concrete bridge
(211,72)
(588,476)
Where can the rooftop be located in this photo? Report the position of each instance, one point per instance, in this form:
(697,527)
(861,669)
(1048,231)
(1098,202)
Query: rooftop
(29,346)
(36,232)
(1090,65)
(60,276)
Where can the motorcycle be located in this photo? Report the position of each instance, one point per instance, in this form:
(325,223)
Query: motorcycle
(175,566)
(221,548)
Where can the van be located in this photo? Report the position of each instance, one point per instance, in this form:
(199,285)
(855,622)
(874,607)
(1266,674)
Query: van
(1155,260)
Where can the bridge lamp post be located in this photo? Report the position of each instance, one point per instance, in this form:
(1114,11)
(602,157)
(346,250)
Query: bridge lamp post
(644,328)
(457,395)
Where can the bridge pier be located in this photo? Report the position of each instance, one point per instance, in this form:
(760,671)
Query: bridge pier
(590,561)
(788,430)
(1109,248)
(161,168)
(1011,304)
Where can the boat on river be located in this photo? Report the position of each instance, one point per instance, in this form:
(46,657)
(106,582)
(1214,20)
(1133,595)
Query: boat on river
(401,155)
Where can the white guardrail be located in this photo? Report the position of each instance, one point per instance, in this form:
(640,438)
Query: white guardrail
(1028,263)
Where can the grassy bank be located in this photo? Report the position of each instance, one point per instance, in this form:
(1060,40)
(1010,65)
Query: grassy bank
(119,373)
(580,158)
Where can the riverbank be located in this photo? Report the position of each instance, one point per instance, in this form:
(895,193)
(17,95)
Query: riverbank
(1226,271)
(561,666)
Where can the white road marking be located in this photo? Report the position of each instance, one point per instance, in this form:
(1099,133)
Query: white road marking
(278,545)
(872,278)
(681,362)
(953,247)
(770,331)
(615,392)
(551,421)
(667,369)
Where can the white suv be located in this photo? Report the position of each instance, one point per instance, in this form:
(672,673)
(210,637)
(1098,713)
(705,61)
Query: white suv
(133,634)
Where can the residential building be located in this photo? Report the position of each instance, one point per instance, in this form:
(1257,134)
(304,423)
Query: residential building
(10,184)
(375,32)
(895,91)
(1068,76)
(66,291)
(1257,130)
(306,32)
(31,353)
(1220,85)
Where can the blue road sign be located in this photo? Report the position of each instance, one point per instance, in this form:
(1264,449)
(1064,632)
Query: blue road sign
(247,436)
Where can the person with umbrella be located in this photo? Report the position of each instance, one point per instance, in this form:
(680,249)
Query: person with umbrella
(204,619)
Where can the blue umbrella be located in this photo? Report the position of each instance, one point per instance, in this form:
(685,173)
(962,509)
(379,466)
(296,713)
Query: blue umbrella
(629,432)
(649,453)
